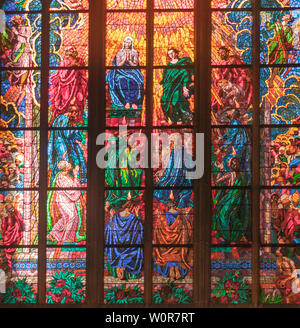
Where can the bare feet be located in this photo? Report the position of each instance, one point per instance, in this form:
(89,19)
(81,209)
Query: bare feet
(51,238)
(177,273)
(120,273)
(135,107)
(172,273)
(127,106)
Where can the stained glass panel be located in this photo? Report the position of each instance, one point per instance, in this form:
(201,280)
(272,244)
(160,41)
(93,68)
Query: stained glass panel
(124,217)
(126,34)
(233,4)
(279,36)
(279,275)
(69,39)
(20,100)
(21,45)
(20,266)
(66,217)
(279,3)
(174,4)
(125,97)
(22,5)
(280,222)
(68,98)
(126,4)
(124,275)
(66,275)
(174,31)
(172,275)
(231,38)
(173,217)
(231,280)
(67,158)
(121,150)
(173,96)
(19,159)
(232,93)
(19,213)
(172,158)
(69,5)
(231,221)
(280,103)
(279,162)
(231,156)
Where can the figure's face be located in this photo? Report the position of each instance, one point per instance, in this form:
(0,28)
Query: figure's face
(128,44)
(68,167)
(9,206)
(286,18)
(285,202)
(222,84)
(172,54)
(73,114)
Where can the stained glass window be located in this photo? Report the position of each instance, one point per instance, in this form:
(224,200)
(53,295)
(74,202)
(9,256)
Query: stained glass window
(27,206)
(67,152)
(231,154)
(171,103)
(20,150)
(71,233)
(279,102)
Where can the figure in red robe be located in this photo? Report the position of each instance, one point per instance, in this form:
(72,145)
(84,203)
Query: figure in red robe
(236,76)
(288,219)
(12,228)
(174,227)
(69,87)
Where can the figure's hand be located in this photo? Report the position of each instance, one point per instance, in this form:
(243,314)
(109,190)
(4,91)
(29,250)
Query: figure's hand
(186,92)
(107,206)
(159,174)
(76,171)
(128,57)
(64,155)
(158,87)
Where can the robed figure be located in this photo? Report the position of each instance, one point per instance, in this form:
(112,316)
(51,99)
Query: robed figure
(231,216)
(125,228)
(65,206)
(119,154)
(280,46)
(175,176)
(67,145)
(12,231)
(126,82)
(177,89)
(69,86)
(174,227)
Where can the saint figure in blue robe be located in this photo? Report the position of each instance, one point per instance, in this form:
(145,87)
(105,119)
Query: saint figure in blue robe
(125,228)
(175,176)
(126,82)
(66,145)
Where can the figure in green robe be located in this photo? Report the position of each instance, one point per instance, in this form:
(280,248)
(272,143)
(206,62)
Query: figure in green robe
(231,217)
(120,177)
(177,89)
(280,45)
